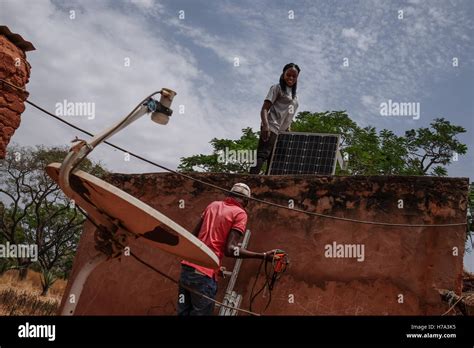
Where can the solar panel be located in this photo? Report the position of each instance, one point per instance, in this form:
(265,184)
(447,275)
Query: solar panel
(304,153)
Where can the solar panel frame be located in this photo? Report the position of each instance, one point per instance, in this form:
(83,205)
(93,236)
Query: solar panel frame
(294,159)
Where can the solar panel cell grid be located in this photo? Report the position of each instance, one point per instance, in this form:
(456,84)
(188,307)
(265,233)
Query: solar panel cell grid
(304,153)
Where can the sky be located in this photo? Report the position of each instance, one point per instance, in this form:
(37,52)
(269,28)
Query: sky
(221,57)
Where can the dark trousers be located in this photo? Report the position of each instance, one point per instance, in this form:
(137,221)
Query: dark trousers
(264,153)
(190,303)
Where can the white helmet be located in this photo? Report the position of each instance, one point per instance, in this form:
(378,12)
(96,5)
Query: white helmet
(241,188)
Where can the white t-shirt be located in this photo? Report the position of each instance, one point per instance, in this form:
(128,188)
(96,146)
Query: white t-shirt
(283,108)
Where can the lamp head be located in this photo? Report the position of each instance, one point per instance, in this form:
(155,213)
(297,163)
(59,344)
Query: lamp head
(160,111)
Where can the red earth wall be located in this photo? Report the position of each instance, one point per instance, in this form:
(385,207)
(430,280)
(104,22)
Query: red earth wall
(400,275)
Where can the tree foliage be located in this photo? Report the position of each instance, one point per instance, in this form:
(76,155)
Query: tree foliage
(34,210)
(216,161)
(422,151)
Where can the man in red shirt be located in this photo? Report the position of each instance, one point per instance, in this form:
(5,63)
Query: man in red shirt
(221,227)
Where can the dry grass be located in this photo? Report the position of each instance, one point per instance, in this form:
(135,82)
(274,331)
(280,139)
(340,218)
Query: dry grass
(24,297)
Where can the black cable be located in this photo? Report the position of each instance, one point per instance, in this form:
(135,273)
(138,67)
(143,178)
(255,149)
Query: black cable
(266,284)
(252,297)
(270,288)
(228,191)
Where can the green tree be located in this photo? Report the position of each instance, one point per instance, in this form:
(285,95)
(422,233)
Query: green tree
(216,162)
(368,152)
(332,122)
(429,147)
(33,206)
(55,228)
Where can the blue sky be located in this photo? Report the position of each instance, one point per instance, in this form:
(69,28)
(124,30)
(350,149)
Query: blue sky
(82,60)
(404,60)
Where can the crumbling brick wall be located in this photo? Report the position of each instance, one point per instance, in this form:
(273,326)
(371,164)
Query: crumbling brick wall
(400,274)
(15,69)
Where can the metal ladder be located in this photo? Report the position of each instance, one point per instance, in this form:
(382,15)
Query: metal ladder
(231,298)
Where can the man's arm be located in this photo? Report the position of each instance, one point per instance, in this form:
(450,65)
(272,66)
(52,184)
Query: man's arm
(196,229)
(232,248)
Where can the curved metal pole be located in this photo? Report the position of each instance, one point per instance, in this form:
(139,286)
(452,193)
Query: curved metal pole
(78,283)
(76,154)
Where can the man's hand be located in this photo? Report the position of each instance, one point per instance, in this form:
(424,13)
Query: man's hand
(265,133)
(221,272)
(270,255)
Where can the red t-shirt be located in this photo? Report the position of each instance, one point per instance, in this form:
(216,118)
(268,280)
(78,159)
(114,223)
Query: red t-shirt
(218,219)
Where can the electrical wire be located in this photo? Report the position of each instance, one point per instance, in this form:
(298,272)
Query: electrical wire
(252,296)
(266,284)
(379,223)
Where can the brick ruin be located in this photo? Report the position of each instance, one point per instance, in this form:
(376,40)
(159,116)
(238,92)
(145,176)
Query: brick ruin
(15,69)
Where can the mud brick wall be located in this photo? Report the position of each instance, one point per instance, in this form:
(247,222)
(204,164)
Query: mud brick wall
(15,69)
(401,264)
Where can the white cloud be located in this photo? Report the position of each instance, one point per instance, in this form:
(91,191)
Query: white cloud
(147,4)
(368,101)
(439,17)
(362,41)
(202,38)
